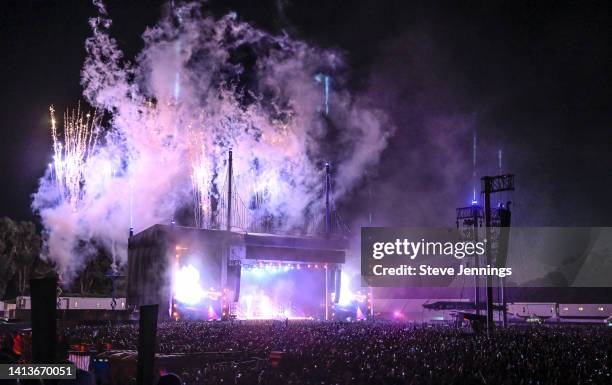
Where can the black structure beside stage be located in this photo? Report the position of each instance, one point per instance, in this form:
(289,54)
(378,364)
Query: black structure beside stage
(153,253)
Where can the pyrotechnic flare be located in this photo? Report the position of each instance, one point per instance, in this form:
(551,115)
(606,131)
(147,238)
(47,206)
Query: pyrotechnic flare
(80,137)
(201,179)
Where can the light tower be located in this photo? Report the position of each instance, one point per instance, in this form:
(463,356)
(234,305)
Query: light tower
(470,219)
(490,185)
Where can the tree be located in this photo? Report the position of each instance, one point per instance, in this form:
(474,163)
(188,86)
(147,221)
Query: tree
(8,252)
(28,251)
(20,246)
(93,278)
(20,261)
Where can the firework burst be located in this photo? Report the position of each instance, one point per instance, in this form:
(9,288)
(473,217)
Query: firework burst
(71,150)
(201,177)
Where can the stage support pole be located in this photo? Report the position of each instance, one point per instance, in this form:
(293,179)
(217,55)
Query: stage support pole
(147,334)
(476,261)
(327,206)
(228,227)
(326,293)
(504,303)
(487,196)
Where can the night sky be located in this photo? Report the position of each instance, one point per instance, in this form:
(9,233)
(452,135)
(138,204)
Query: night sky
(530,77)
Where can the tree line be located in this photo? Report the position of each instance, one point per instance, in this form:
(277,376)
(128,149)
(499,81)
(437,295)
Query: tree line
(21,259)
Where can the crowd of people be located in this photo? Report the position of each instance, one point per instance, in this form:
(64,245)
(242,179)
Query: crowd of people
(376,352)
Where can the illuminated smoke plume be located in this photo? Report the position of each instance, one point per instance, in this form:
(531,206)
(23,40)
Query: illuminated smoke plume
(199,87)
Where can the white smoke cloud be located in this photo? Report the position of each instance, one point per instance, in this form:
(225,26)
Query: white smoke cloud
(199,87)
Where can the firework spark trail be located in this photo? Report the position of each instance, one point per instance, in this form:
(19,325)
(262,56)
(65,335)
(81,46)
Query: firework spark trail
(201,178)
(80,137)
(57,151)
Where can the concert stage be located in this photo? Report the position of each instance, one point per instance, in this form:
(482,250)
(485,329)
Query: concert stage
(218,274)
